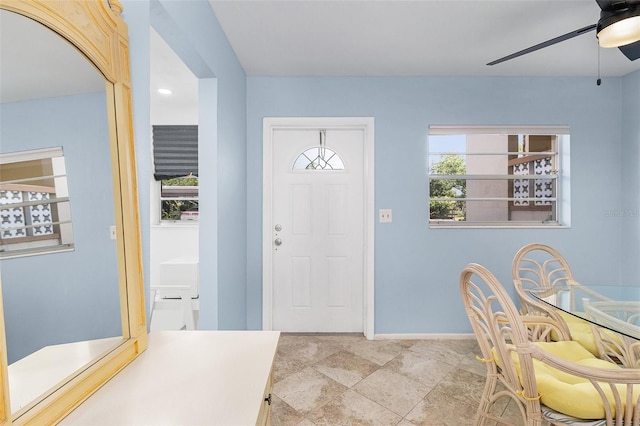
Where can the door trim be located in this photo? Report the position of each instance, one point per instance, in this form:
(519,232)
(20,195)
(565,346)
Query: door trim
(366,124)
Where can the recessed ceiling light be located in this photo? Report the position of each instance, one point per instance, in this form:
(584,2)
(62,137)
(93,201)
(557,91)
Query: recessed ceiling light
(165,91)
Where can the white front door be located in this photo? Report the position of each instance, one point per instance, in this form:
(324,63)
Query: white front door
(318,229)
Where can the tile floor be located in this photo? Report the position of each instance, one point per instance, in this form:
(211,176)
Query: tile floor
(344,379)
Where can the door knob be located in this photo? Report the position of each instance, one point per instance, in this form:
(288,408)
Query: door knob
(278,242)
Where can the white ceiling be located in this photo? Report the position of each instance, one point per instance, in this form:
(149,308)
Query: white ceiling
(36,63)
(418,37)
(169,72)
(343,37)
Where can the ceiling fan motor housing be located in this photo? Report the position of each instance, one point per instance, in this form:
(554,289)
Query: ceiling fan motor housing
(616,32)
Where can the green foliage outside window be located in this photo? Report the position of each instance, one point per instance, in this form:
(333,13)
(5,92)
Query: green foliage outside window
(181,181)
(180,195)
(448,188)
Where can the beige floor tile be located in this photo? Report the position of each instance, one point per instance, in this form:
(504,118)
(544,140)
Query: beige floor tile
(419,367)
(392,390)
(351,408)
(345,379)
(346,368)
(463,385)
(377,351)
(306,349)
(284,366)
(307,390)
(472,365)
(405,343)
(449,351)
(341,340)
(440,409)
(282,414)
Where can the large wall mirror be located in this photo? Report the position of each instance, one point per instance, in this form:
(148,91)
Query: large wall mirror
(70,261)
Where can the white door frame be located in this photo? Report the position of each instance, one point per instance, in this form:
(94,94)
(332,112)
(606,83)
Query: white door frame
(366,124)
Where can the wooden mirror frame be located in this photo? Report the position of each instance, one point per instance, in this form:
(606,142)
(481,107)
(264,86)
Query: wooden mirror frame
(95,28)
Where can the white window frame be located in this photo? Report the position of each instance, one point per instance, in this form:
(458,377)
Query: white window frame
(193,219)
(62,238)
(562,177)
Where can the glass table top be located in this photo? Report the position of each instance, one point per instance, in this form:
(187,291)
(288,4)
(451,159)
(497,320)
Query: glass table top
(614,307)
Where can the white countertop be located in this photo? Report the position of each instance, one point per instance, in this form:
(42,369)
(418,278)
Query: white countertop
(35,374)
(187,378)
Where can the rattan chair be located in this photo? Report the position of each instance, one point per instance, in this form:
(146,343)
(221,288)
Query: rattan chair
(539,266)
(622,347)
(617,348)
(551,382)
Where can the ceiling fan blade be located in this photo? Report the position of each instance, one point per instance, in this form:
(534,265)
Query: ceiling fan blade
(547,43)
(606,4)
(609,5)
(631,51)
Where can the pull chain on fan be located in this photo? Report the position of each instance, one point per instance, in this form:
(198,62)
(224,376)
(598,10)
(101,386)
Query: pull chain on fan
(598,81)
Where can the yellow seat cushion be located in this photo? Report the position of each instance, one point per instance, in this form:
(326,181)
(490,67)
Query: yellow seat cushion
(581,332)
(566,393)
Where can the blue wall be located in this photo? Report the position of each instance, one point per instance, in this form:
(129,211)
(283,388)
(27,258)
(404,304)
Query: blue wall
(630,159)
(416,268)
(416,273)
(65,297)
(192,30)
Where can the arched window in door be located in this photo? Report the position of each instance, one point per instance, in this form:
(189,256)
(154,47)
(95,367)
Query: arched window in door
(319,158)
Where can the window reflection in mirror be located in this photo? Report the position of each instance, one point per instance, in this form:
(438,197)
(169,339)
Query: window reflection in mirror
(62,309)
(35,216)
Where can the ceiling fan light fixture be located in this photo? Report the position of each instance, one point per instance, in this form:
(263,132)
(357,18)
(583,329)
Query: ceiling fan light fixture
(619,28)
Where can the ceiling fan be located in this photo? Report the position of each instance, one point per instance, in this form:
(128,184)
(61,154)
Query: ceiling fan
(618,26)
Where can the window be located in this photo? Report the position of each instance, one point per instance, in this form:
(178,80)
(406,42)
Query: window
(179,198)
(175,155)
(35,215)
(498,176)
(319,157)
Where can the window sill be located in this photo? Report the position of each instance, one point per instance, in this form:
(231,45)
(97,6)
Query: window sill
(499,226)
(176,224)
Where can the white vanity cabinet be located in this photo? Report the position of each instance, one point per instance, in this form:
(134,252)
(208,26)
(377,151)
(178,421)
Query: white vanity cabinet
(264,416)
(189,378)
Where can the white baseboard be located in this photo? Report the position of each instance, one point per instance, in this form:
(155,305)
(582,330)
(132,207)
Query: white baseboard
(425,336)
